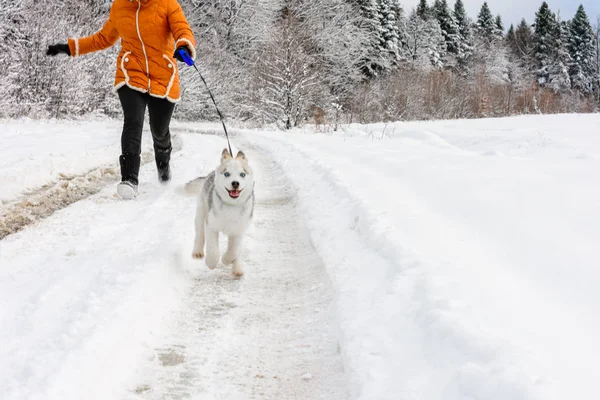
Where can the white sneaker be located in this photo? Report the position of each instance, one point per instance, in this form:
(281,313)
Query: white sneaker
(127,190)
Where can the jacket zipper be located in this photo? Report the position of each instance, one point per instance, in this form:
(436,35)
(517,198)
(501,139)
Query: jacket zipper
(137,27)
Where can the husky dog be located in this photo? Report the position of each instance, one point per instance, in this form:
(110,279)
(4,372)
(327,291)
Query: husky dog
(225,205)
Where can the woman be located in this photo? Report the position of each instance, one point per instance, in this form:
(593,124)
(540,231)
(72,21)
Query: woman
(146,75)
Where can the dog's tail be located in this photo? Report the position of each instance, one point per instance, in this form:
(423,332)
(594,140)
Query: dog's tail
(192,187)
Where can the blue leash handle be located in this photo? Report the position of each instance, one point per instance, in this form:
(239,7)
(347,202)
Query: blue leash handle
(186,57)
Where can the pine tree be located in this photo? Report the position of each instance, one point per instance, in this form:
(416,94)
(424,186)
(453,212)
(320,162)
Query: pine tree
(520,44)
(423,10)
(448,24)
(524,40)
(546,29)
(389,39)
(400,29)
(517,65)
(499,27)
(490,54)
(511,37)
(558,72)
(460,15)
(582,51)
(486,25)
(464,31)
(377,59)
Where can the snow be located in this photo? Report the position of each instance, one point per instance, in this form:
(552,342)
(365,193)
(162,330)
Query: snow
(34,153)
(263,336)
(464,253)
(86,291)
(445,260)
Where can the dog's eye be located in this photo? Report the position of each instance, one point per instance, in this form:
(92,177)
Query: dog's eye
(227,174)
(243,174)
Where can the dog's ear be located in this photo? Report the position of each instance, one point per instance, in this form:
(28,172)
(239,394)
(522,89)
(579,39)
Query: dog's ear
(240,155)
(225,155)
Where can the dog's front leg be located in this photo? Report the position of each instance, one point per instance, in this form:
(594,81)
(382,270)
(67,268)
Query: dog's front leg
(212,248)
(232,256)
(199,240)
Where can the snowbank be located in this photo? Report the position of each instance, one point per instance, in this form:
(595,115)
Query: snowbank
(464,253)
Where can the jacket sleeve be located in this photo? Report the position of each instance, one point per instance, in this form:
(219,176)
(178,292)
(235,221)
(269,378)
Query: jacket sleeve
(103,39)
(181,28)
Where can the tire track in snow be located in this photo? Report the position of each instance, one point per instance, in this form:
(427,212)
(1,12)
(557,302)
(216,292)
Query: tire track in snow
(45,201)
(271,334)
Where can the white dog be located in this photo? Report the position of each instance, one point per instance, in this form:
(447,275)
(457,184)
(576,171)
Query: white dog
(225,205)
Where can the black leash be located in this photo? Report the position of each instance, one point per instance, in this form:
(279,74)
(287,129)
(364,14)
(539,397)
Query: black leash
(217,107)
(188,60)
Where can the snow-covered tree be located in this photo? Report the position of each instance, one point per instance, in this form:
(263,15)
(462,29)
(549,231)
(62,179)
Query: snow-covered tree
(558,72)
(401,27)
(490,56)
(546,29)
(582,51)
(229,34)
(465,33)
(423,10)
(390,36)
(510,35)
(524,41)
(448,25)
(287,74)
(287,58)
(425,43)
(486,24)
(12,37)
(550,50)
(310,60)
(518,62)
(231,26)
(597,39)
(377,58)
(499,27)
(338,43)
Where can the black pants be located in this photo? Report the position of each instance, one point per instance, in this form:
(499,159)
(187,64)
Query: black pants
(134,107)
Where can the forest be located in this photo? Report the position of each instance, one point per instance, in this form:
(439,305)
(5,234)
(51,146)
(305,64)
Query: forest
(287,63)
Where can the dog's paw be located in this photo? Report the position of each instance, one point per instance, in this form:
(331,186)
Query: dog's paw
(198,255)
(227,259)
(212,261)
(238,268)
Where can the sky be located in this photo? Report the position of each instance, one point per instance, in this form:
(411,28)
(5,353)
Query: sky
(512,11)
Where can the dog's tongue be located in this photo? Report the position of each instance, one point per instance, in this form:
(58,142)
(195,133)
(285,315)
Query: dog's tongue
(234,193)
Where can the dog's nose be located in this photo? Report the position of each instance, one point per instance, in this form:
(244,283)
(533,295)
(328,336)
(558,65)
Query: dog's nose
(235,184)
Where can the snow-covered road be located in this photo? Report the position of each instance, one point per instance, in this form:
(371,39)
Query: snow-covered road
(272,334)
(103,300)
(449,260)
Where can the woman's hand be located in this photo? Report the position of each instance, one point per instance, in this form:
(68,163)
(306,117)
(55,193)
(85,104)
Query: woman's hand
(178,56)
(57,49)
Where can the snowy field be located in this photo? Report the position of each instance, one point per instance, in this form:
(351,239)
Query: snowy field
(448,260)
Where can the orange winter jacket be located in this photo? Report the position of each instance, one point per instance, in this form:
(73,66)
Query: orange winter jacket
(150,30)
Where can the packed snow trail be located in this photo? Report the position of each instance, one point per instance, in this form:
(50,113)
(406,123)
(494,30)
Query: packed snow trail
(93,291)
(271,334)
